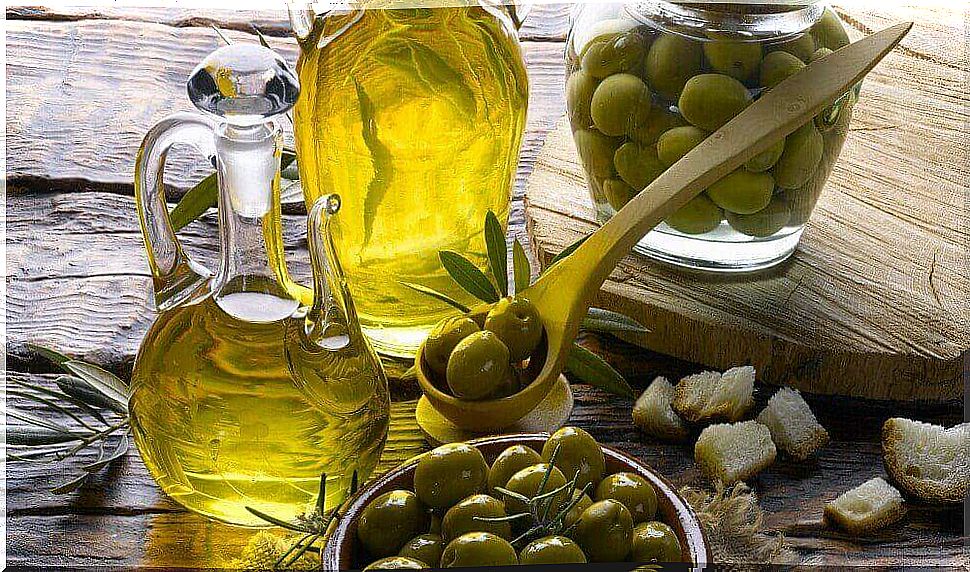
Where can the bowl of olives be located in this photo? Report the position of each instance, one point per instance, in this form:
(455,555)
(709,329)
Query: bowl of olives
(477,370)
(516,499)
(649,81)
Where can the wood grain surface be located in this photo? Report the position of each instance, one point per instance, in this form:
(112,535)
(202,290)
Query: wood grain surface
(83,85)
(876,301)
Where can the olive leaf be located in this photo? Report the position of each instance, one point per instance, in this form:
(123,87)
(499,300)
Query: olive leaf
(521,269)
(380,160)
(609,322)
(52,355)
(568,250)
(497,252)
(421,63)
(593,370)
(468,276)
(437,295)
(104,381)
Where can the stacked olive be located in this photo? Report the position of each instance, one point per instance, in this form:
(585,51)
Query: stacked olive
(640,99)
(523,509)
(488,358)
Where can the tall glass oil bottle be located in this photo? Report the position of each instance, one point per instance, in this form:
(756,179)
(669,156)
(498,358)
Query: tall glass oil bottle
(414,116)
(241,397)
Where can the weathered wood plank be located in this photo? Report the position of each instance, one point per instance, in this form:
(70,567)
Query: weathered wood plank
(875,302)
(546,21)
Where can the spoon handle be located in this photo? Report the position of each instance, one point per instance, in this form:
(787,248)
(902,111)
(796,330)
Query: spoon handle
(774,115)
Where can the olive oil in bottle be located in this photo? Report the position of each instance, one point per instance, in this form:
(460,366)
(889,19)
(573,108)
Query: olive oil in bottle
(414,117)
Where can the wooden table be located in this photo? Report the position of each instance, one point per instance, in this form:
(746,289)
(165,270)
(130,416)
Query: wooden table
(83,86)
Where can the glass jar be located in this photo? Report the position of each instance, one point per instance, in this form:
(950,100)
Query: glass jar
(648,81)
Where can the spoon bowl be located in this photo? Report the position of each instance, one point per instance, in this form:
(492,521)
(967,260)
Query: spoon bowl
(563,293)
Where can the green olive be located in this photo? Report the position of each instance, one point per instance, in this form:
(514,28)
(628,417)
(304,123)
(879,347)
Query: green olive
(766,159)
(655,542)
(596,150)
(637,165)
(819,54)
(450,473)
(577,453)
(579,94)
(660,121)
(604,531)
(671,61)
(468,515)
(397,563)
(698,216)
(801,203)
(389,521)
(777,66)
(711,100)
(620,103)
(633,491)
(424,548)
(765,222)
(803,153)
(618,193)
(677,142)
(829,31)
(509,462)
(801,47)
(516,322)
(552,550)
(478,549)
(527,482)
(739,60)
(577,510)
(442,341)
(742,192)
(479,366)
(610,54)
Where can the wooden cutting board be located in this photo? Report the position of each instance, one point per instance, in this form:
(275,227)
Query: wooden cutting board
(876,301)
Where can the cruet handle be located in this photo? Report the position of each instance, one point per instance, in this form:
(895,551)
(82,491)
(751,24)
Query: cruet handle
(331,322)
(176,277)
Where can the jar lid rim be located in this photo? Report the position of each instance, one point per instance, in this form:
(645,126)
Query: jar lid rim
(689,19)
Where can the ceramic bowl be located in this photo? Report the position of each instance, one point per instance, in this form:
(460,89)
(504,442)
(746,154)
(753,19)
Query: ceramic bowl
(343,551)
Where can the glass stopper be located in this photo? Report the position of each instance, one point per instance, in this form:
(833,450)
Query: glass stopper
(243,83)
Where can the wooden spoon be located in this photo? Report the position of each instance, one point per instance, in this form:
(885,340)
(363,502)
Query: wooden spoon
(562,295)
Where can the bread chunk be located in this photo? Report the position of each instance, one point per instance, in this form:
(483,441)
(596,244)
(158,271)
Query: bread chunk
(793,426)
(929,462)
(710,395)
(653,414)
(734,452)
(870,506)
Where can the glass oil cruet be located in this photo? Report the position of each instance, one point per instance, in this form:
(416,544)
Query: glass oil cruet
(241,397)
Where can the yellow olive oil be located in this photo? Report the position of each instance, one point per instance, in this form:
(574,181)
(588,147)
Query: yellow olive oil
(414,117)
(222,424)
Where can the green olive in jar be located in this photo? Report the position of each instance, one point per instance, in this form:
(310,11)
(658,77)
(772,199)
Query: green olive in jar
(579,94)
(659,122)
(739,60)
(655,542)
(478,549)
(552,550)
(471,514)
(578,506)
(638,165)
(803,152)
(576,453)
(711,100)
(801,203)
(742,192)
(829,31)
(618,193)
(516,322)
(819,54)
(633,491)
(610,54)
(766,159)
(509,462)
(777,66)
(698,216)
(389,521)
(671,61)
(604,531)
(424,548)
(677,142)
(620,103)
(442,341)
(801,47)
(596,150)
(527,482)
(479,366)
(765,222)
(397,563)
(449,473)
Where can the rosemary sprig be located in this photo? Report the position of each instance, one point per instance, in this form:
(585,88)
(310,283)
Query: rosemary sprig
(88,409)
